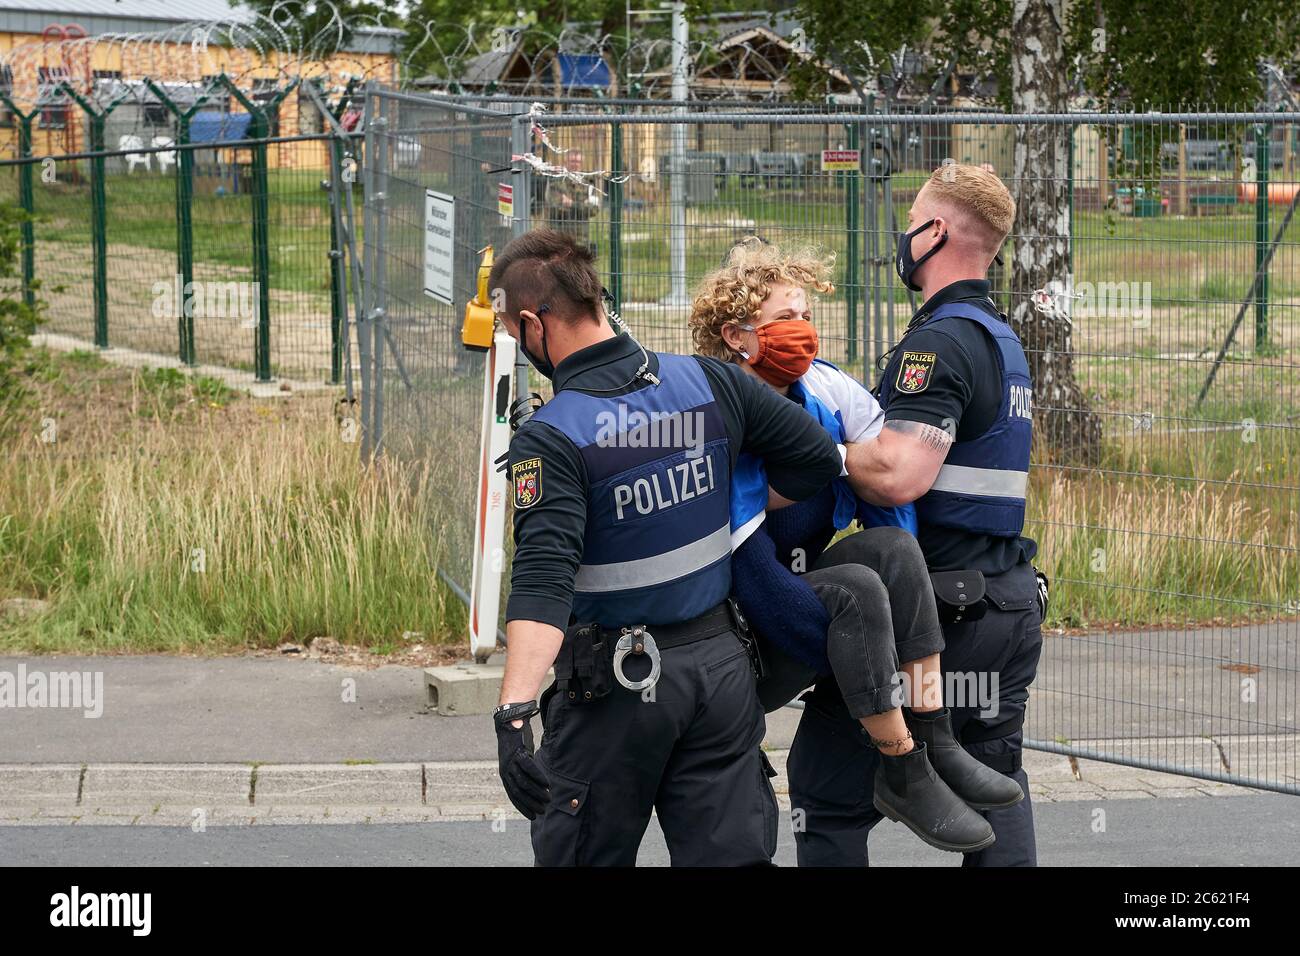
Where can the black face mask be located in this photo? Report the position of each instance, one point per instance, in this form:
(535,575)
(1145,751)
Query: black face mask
(904,264)
(543,364)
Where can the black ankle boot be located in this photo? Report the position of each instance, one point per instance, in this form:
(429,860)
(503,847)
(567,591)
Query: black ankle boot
(980,786)
(909,792)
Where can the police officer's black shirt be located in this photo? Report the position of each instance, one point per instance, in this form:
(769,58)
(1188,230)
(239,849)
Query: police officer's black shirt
(799,455)
(965,388)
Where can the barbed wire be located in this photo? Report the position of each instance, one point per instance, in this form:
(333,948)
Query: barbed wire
(745,61)
(254,50)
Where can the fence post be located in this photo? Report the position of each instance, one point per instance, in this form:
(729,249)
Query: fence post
(521,143)
(27,199)
(98,207)
(338,282)
(184,218)
(337,293)
(379,276)
(616,216)
(871,297)
(261,198)
(363,324)
(261,249)
(1263,133)
(851,224)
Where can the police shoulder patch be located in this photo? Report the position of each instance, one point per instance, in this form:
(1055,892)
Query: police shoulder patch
(527,476)
(915,371)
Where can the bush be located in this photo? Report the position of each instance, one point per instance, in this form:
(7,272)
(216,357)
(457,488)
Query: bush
(18,320)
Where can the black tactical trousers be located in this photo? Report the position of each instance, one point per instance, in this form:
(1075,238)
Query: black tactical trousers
(832,764)
(875,585)
(688,748)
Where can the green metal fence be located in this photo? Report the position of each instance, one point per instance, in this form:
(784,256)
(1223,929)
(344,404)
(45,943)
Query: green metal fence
(217,248)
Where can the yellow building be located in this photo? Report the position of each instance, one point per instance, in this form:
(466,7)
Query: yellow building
(104,49)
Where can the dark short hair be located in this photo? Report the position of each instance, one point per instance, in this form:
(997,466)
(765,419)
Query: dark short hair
(546,267)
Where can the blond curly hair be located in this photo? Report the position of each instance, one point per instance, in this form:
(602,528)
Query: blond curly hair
(732,295)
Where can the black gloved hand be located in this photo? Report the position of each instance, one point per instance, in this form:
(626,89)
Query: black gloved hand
(524,779)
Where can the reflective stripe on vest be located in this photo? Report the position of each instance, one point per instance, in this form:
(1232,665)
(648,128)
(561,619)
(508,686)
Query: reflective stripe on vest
(656,549)
(981,486)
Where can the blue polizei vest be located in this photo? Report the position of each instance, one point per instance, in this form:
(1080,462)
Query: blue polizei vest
(981,486)
(656,549)
(749,485)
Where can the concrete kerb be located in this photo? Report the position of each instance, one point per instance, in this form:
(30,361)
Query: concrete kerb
(246,794)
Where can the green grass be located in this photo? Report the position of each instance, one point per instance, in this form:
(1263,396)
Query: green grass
(158,522)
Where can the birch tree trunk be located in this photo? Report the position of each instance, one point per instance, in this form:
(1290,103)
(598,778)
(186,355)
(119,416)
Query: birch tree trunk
(1065,426)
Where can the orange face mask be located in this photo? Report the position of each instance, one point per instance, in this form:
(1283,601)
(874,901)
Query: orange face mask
(785,350)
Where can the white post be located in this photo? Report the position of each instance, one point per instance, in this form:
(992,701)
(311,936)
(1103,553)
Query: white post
(677,167)
(490,502)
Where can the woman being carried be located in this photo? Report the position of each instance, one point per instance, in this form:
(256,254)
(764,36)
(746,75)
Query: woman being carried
(867,602)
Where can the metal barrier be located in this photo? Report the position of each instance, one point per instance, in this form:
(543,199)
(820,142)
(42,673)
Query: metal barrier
(423,387)
(1164,495)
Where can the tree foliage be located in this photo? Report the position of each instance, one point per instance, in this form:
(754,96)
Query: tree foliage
(906,47)
(1140,53)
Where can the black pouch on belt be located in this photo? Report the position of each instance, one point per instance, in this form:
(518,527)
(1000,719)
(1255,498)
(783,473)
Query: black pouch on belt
(959,595)
(590,671)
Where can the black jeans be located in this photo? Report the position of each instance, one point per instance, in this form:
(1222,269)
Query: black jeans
(876,587)
(832,764)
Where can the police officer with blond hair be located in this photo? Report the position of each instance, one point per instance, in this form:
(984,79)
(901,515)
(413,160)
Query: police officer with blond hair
(956,438)
(620,579)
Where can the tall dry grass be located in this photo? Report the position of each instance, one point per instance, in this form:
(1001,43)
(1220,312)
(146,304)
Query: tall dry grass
(244,525)
(1141,550)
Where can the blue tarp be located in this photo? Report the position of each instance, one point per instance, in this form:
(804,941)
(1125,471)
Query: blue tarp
(583,69)
(213,126)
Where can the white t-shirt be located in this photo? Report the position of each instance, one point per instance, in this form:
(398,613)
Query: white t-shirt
(839,391)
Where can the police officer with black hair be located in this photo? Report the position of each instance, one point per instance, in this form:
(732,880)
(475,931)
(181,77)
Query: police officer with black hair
(620,579)
(956,396)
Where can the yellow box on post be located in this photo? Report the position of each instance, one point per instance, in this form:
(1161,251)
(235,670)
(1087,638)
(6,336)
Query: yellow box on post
(480,320)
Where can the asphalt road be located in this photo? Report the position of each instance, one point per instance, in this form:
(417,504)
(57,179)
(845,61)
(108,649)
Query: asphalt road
(1198,831)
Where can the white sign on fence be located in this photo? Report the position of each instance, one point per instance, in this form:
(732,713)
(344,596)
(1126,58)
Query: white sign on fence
(439,245)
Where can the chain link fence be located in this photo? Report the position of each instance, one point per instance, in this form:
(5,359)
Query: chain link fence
(1153,274)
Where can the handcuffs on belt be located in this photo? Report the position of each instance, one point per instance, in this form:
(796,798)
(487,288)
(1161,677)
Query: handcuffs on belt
(636,640)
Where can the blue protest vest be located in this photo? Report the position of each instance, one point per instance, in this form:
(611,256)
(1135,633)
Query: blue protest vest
(656,549)
(981,486)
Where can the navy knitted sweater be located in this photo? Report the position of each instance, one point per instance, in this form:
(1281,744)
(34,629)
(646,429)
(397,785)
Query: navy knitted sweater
(778,604)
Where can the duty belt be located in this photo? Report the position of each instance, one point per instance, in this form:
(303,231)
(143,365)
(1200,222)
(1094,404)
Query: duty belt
(640,639)
(636,640)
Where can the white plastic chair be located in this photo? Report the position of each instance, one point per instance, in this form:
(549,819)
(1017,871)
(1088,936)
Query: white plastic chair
(164,159)
(133,159)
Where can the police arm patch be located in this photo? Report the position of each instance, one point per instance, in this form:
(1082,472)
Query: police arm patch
(915,371)
(527,477)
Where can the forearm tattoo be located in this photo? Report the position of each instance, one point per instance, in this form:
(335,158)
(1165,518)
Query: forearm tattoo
(935,439)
